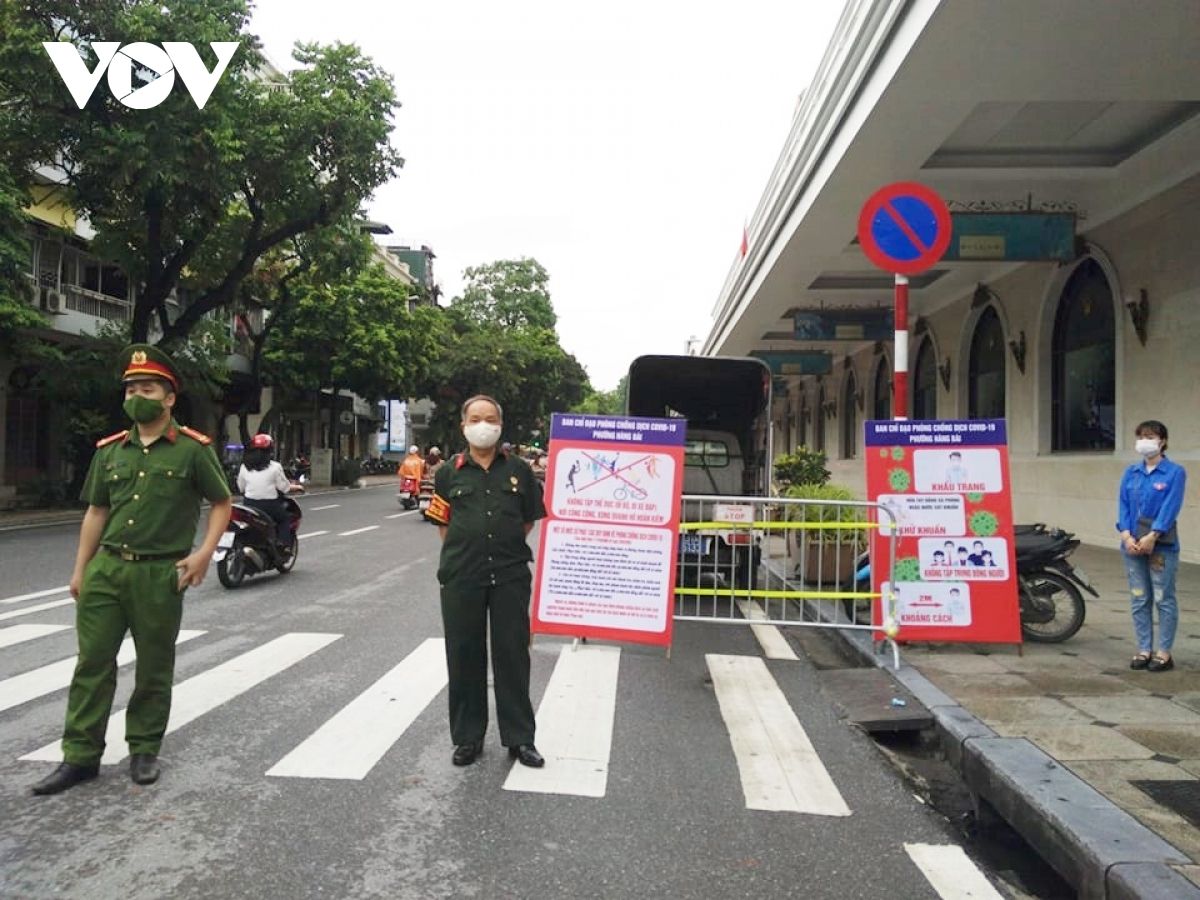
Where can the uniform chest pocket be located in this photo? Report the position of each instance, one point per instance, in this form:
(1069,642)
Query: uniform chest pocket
(117,473)
(166,481)
(512,501)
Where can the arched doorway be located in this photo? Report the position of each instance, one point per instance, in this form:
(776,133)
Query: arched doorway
(1083,363)
(849,418)
(924,379)
(986,368)
(883,390)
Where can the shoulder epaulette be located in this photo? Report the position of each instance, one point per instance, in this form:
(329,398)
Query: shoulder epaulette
(195,435)
(112,438)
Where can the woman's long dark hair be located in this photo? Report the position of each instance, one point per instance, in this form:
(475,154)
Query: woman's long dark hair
(256,458)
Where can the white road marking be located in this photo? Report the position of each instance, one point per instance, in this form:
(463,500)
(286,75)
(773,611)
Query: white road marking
(330,506)
(951,872)
(351,743)
(57,675)
(357,531)
(208,690)
(36,594)
(772,641)
(301,537)
(38,608)
(779,768)
(411,512)
(16,634)
(574,725)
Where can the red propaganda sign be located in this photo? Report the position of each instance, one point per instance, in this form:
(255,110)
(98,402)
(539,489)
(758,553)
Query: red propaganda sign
(947,485)
(904,228)
(606,560)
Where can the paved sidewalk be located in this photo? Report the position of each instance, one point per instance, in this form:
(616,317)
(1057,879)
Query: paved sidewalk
(1081,704)
(36,518)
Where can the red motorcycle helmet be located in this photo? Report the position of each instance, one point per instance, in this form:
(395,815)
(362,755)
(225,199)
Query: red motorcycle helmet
(261,442)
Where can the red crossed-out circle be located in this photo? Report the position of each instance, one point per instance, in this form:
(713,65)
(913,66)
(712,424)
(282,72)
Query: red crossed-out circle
(881,201)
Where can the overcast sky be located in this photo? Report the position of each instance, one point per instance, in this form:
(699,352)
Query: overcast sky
(622,144)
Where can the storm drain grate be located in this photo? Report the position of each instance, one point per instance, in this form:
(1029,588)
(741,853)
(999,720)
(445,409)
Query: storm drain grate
(1181,797)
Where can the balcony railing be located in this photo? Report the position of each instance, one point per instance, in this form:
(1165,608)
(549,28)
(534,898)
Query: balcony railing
(93,303)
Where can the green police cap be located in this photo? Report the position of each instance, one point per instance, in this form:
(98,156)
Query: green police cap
(142,361)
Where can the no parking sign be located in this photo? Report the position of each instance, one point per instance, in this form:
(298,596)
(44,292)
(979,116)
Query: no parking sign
(904,228)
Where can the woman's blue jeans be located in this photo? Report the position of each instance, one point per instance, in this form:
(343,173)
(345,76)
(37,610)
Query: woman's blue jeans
(1152,584)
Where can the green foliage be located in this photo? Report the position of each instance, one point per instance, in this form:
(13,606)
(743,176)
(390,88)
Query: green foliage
(815,513)
(183,197)
(356,334)
(805,467)
(502,342)
(606,403)
(17,314)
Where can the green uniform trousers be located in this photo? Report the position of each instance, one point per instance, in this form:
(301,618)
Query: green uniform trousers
(466,610)
(119,596)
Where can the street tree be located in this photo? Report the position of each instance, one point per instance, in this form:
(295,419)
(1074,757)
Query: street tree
(17,315)
(502,342)
(357,334)
(188,198)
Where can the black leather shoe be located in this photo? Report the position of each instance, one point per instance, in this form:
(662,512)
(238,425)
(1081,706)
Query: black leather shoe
(528,755)
(67,775)
(1139,662)
(1160,664)
(465,754)
(143,768)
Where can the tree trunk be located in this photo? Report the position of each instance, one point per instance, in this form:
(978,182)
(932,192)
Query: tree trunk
(244,427)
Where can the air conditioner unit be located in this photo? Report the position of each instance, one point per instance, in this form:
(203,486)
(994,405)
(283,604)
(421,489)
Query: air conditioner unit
(52,300)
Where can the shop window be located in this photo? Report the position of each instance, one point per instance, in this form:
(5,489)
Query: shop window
(924,378)
(849,419)
(1083,383)
(883,389)
(985,374)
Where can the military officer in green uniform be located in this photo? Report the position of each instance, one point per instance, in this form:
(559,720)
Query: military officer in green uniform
(134,563)
(485,503)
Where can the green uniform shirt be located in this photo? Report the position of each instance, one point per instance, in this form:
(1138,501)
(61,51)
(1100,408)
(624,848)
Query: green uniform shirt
(487,511)
(153,493)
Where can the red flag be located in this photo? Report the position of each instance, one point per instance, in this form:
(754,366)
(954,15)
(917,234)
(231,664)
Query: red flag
(745,240)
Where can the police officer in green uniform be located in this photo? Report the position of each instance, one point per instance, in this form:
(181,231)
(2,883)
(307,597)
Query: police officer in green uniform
(485,503)
(135,560)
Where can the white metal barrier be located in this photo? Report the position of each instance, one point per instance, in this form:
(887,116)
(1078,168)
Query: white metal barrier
(781,561)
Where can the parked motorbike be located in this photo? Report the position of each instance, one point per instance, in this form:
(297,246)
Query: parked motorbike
(409,493)
(1049,587)
(248,548)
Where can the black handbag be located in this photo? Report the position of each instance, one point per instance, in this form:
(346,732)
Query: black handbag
(1168,537)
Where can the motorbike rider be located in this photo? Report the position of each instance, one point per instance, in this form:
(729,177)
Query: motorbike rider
(413,466)
(433,462)
(261,480)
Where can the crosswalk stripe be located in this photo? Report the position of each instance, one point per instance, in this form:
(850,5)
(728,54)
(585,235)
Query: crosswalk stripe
(411,512)
(16,634)
(772,641)
(358,531)
(301,537)
(951,872)
(208,690)
(351,743)
(575,725)
(57,675)
(40,607)
(35,595)
(330,506)
(779,768)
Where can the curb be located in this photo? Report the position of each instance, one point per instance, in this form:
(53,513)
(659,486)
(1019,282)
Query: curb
(1097,847)
(74,517)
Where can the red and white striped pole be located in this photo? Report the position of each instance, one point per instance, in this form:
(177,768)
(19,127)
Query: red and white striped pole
(900,363)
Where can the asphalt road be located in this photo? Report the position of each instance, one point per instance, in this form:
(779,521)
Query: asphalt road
(673,821)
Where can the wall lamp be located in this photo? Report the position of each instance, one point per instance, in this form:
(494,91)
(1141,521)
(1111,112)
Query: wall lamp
(944,371)
(1139,312)
(1017,346)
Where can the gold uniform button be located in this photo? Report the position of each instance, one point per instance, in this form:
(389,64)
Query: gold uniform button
(169,472)
(136,497)
(141,474)
(130,522)
(145,450)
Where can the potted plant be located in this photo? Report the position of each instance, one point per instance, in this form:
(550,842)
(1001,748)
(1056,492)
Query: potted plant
(827,555)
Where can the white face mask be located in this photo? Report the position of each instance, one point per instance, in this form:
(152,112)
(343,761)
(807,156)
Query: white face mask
(1147,446)
(482,434)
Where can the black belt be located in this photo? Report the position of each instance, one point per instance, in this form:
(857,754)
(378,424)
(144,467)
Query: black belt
(128,556)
